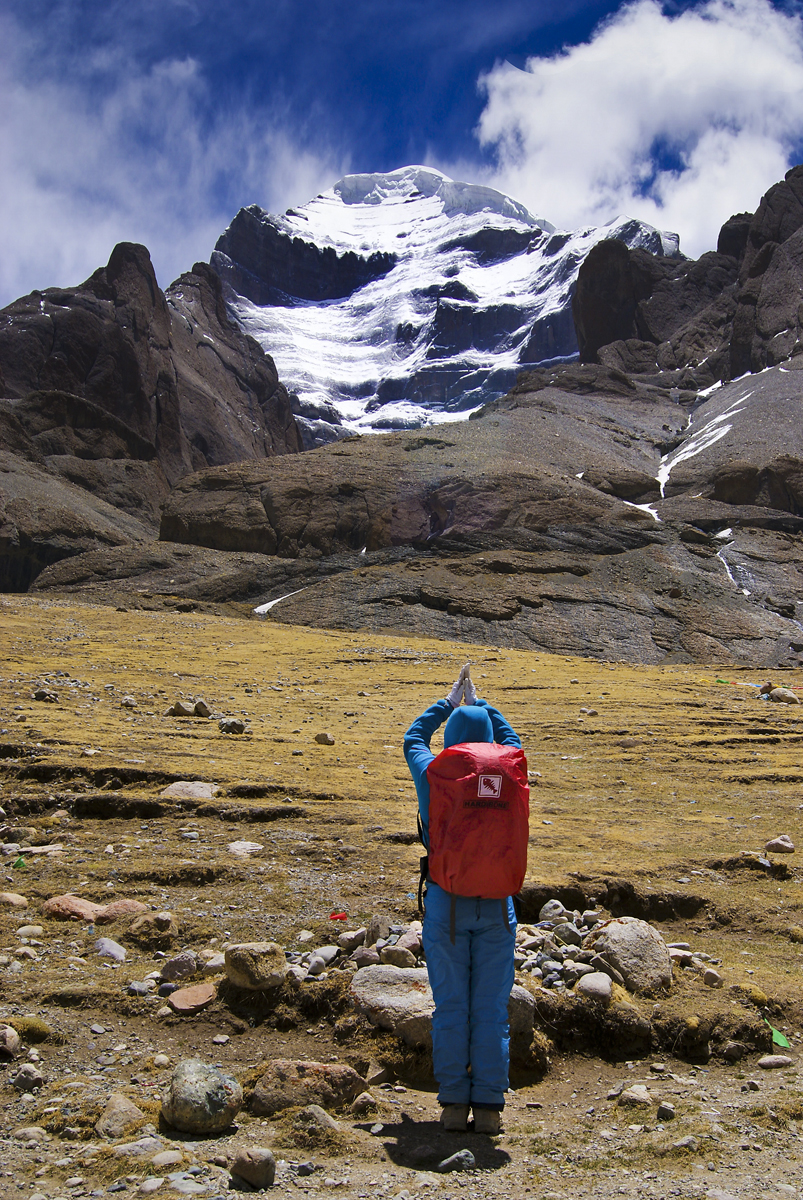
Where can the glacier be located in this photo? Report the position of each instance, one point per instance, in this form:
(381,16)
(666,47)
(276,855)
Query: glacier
(401,299)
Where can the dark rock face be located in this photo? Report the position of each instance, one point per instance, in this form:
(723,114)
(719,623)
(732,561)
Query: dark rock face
(123,389)
(268,265)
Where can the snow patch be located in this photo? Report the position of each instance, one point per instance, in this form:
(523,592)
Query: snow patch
(263,608)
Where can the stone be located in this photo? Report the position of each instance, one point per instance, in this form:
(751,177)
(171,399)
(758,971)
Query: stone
(596,986)
(287,1083)
(32,1134)
(46,695)
(201,1098)
(141,987)
(167,1158)
(687,1143)
(161,1060)
(256,1165)
(202,709)
(396,998)
(350,939)
(215,965)
(520,1012)
(190,789)
(637,951)
(636,1096)
(463,1160)
(243,849)
(397,956)
(128,702)
(154,929)
(553,910)
(774,1062)
(27,1078)
(180,967)
(149,1185)
(231,725)
(411,940)
(107,948)
(568,933)
(120,1116)
(784,696)
(256,965)
(180,709)
(712,978)
(10,1043)
(378,927)
(665,1111)
(71,908)
(365,956)
(314,1120)
(782,844)
(362,1104)
(120,908)
(190,1000)
(12,900)
(324,739)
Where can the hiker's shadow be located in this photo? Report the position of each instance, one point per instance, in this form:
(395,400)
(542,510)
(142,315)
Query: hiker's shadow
(421,1145)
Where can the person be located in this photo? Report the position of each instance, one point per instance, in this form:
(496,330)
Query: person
(471,973)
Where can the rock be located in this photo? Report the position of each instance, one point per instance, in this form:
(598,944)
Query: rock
(637,951)
(27,1078)
(687,1143)
(601,964)
(287,1083)
(10,1043)
(201,1098)
(365,956)
(161,1060)
(784,696)
(378,927)
(180,967)
(107,948)
(256,1165)
(156,930)
(596,986)
(520,1012)
(782,844)
(567,932)
(231,725)
(324,739)
(128,702)
(245,849)
(119,1117)
(553,910)
(71,908)
(190,1000)
(45,695)
(463,1160)
(774,1062)
(734,1051)
(141,987)
(712,978)
(215,965)
(362,1104)
(396,998)
(32,1134)
(120,908)
(202,709)
(350,939)
(397,956)
(314,1121)
(179,709)
(167,1158)
(665,1111)
(140,1148)
(190,789)
(636,1096)
(256,965)
(12,900)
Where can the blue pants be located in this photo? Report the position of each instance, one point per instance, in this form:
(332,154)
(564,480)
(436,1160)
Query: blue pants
(471,982)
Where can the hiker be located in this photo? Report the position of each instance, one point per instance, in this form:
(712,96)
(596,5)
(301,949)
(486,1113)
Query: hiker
(469,942)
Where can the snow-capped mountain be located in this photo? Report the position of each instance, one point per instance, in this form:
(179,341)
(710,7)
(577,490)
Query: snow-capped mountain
(401,299)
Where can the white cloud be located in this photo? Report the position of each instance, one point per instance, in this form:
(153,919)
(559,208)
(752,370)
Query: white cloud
(144,159)
(717,90)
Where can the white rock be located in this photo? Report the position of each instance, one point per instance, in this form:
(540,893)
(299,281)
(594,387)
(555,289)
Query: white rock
(245,849)
(596,986)
(398,999)
(782,844)
(636,950)
(190,789)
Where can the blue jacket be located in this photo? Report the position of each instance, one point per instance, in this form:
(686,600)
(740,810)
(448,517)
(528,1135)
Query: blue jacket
(478,722)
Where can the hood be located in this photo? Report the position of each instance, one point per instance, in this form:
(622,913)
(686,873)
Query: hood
(469,723)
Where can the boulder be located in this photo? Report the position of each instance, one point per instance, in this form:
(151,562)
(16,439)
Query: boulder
(190,789)
(72,908)
(120,908)
(120,1116)
(288,1083)
(10,1043)
(782,844)
(637,951)
(256,965)
(201,1099)
(396,998)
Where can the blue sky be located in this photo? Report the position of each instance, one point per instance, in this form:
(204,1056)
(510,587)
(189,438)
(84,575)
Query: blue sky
(154,120)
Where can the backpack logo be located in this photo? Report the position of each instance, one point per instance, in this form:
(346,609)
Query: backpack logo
(489,787)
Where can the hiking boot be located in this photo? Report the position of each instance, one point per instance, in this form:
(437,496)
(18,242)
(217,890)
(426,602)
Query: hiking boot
(487,1120)
(454,1117)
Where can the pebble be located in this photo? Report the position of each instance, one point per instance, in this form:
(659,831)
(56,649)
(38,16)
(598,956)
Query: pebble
(190,1000)
(167,1158)
(140,987)
(180,967)
(28,1078)
(31,931)
(161,1060)
(774,1062)
(256,1165)
(107,948)
(712,978)
(12,900)
(782,844)
(463,1160)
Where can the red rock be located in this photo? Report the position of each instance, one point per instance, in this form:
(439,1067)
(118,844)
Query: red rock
(120,908)
(72,908)
(193,999)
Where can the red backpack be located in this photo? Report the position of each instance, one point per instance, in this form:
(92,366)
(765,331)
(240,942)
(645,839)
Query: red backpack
(479,809)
